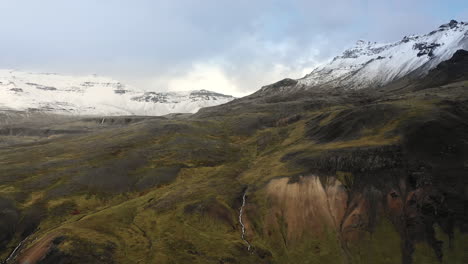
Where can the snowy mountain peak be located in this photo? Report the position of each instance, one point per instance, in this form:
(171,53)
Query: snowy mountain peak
(95,95)
(452,24)
(372,64)
(361,43)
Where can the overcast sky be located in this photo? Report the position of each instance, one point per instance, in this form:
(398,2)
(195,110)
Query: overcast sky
(229,46)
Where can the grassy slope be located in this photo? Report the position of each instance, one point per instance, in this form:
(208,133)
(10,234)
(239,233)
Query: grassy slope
(104,193)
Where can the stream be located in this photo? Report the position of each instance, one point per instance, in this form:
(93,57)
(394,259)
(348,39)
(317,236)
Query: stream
(13,253)
(241,222)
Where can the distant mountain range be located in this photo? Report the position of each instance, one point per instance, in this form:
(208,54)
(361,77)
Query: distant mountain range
(93,95)
(366,65)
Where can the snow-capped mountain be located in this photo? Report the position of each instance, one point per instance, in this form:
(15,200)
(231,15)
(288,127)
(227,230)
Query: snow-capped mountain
(371,64)
(94,95)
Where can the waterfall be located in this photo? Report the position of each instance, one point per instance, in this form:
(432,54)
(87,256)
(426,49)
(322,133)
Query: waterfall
(241,222)
(13,253)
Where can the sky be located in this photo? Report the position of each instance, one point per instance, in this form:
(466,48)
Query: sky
(229,46)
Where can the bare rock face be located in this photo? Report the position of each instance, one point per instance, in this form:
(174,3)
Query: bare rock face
(305,206)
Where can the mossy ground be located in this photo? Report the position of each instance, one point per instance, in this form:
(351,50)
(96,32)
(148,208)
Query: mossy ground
(86,188)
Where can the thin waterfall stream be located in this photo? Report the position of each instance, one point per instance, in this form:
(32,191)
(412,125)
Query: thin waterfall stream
(241,211)
(13,253)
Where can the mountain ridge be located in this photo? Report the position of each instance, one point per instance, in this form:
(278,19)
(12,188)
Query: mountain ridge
(94,95)
(372,64)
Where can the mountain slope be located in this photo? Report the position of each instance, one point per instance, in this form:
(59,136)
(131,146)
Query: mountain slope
(319,177)
(93,95)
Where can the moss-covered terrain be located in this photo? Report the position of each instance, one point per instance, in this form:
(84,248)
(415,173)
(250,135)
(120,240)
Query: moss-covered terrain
(348,177)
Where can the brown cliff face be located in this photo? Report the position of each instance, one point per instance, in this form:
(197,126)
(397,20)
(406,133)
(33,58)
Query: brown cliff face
(306,206)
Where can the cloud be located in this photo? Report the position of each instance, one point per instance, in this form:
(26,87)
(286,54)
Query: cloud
(228,46)
(241,69)
(204,76)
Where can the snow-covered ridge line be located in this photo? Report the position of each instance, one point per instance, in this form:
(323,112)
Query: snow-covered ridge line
(94,95)
(371,64)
